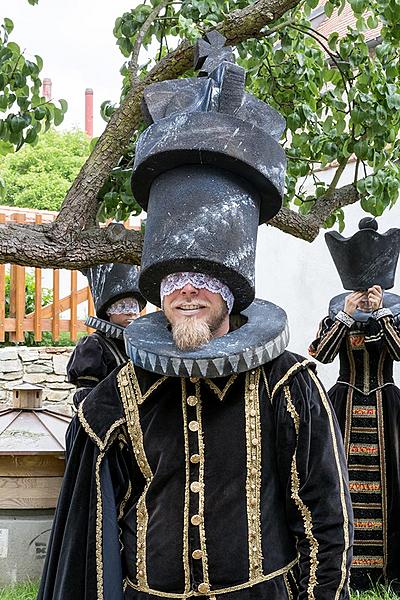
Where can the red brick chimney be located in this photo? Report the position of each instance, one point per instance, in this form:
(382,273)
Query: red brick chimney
(46,88)
(89,112)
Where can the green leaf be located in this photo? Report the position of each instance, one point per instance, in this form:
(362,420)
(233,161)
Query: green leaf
(361,149)
(8,25)
(39,62)
(393,100)
(17,124)
(329,7)
(31,135)
(40,113)
(64,105)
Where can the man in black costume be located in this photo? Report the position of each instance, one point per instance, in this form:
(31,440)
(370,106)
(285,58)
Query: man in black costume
(210,465)
(363,329)
(117,301)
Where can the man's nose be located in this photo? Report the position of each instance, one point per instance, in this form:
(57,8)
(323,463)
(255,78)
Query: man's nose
(189,290)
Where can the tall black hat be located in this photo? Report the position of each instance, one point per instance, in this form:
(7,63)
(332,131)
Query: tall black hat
(208,171)
(366,258)
(111,282)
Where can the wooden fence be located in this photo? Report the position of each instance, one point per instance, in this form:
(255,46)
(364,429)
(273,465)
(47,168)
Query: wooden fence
(43,318)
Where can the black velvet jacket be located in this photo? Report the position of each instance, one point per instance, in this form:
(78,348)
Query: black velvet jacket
(94,357)
(231,487)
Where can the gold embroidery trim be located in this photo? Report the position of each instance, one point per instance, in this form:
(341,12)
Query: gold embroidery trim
(289,373)
(186,566)
(291,409)
(101,444)
(266,383)
(202,532)
(327,337)
(346,537)
(363,450)
(303,509)
(253,478)
(368,561)
(99,530)
(382,460)
(393,337)
(221,393)
(129,388)
(287,585)
(235,588)
(368,524)
(365,487)
(140,398)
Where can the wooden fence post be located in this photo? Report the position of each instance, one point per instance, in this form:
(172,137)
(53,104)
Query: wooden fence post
(55,326)
(37,323)
(2,292)
(74,306)
(17,293)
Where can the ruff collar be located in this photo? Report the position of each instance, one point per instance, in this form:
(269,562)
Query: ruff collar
(262,336)
(109,329)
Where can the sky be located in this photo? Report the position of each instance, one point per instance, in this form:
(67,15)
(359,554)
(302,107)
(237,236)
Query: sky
(76,42)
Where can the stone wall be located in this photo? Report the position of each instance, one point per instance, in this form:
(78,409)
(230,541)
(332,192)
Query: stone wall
(44,366)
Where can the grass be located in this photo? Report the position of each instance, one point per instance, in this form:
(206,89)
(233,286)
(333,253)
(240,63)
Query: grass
(23,591)
(28,591)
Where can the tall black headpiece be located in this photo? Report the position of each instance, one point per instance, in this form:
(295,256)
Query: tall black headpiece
(111,282)
(208,170)
(367,258)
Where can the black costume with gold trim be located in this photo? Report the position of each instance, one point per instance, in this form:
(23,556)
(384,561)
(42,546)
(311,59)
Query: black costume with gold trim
(176,487)
(367,404)
(94,357)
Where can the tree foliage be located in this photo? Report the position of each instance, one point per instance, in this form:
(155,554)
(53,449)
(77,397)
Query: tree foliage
(339,95)
(40,176)
(24,112)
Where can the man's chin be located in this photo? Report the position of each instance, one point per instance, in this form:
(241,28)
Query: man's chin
(190,333)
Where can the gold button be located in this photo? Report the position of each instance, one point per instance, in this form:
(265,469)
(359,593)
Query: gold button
(204,588)
(254,442)
(194,379)
(195,458)
(195,487)
(193,426)
(192,400)
(254,471)
(197,554)
(252,386)
(253,501)
(141,573)
(196,520)
(253,412)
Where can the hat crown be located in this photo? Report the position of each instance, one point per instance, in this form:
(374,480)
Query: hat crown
(110,282)
(366,258)
(208,170)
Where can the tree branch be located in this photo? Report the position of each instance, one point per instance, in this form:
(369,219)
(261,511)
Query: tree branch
(133,63)
(307,227)
(28,245)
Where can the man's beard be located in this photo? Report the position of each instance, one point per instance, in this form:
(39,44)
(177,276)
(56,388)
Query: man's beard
(191,333)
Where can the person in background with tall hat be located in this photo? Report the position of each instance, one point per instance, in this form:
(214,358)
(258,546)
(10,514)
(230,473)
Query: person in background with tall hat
(363,328)
(117,302)
(210,465)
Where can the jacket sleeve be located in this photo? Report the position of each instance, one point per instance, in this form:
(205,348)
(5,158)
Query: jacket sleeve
(391,330)
(330,335)
(83,555)
(313,472)
(86,367)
